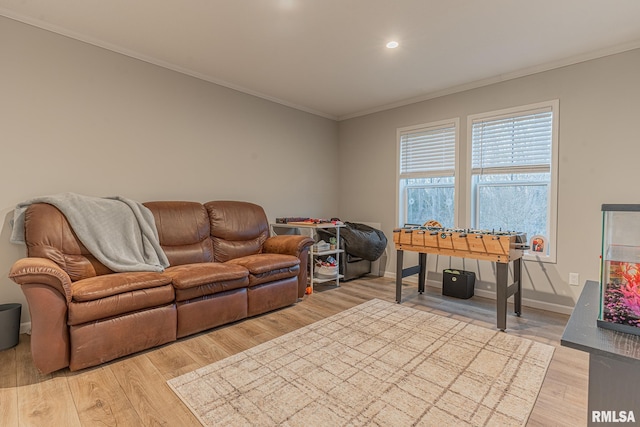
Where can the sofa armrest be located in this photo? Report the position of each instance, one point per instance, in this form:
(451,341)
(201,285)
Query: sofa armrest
(48,291)
(287,244)
(297,246)
(43,271)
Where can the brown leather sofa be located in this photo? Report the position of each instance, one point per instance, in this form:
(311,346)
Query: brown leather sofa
(224,267)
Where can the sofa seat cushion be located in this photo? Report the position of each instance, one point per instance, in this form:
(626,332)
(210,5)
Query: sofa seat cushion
(115,294)
(268,267)
(98,287)
(192,281)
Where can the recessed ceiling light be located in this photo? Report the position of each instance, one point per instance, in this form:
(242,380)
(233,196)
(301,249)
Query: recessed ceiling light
(392,44)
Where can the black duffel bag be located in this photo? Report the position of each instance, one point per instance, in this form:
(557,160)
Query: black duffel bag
(361,241)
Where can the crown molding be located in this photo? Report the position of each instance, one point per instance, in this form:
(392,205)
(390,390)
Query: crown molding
(500,78)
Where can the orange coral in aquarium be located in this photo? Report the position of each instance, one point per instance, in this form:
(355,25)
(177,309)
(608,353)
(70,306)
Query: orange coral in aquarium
(631,289)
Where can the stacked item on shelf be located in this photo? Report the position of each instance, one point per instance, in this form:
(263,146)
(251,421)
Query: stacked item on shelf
(327,268)
(307,221)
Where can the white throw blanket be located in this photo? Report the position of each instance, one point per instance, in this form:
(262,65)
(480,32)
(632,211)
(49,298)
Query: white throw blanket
(119,232)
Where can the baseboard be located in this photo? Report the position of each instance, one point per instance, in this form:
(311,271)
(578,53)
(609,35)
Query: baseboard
(541,305)
(25,328)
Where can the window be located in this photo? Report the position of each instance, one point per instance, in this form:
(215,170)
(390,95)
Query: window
(513,172)
(426,178)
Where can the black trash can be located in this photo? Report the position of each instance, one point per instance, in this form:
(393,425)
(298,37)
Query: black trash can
(9,325)
(458,283)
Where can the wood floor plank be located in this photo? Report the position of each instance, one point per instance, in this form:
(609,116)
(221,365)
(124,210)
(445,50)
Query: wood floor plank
(42,399)
(8,387)
(149,394)
(133,390)
(172,360)
(99,399)
(233,340)
(204,349)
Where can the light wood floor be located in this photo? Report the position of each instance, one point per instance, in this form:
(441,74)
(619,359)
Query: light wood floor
(133,392)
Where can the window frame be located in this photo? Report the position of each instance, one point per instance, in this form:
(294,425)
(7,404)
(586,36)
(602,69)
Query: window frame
(401,193)
(552,196)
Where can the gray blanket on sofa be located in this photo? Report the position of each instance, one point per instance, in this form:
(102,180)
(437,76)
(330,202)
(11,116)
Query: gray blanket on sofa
(119,232)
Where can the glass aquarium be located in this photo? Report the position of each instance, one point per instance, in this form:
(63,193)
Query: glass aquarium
(620,269)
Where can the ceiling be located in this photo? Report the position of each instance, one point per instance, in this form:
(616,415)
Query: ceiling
(328,57)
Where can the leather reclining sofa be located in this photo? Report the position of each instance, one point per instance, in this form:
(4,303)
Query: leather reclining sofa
(224,267)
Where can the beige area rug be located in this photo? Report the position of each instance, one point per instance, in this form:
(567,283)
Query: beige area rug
(378,363)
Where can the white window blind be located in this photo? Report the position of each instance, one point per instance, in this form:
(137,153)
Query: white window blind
(428,152)
(517,143)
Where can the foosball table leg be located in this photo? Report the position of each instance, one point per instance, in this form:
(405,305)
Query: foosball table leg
(502,273)
(399,262)
(517,278)
(422,263)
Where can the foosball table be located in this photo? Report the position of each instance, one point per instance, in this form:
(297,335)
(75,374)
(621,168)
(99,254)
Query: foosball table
(501,247)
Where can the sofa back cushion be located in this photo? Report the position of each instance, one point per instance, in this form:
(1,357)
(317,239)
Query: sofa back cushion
(49,235)
(183,231)
(237,229)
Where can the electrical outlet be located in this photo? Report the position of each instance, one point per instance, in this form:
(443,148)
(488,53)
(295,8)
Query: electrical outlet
(574,279)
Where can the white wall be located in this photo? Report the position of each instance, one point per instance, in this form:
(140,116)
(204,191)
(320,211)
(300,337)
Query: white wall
(75,117)
(599,162)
